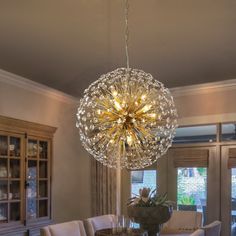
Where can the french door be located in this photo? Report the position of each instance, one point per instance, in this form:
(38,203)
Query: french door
(194,180)
(228,190)
(189,167)
(201,178)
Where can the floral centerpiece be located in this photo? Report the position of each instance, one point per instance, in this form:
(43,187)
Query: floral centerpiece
(150,210)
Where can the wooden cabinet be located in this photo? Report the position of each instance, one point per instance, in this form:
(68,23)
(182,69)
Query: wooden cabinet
(25,176)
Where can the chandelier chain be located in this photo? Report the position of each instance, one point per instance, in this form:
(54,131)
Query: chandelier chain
(127,32)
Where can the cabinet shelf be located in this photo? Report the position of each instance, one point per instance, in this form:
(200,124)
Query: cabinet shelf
(3,201)
(14,157)
(14,200)
(3,178)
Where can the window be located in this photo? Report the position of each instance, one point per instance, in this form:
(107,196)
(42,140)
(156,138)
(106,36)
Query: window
(228,132)
(192,189)
(196,134)
(142,178)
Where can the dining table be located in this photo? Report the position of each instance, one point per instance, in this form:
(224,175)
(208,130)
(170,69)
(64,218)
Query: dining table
(120,232)
(183,234)
(131,232)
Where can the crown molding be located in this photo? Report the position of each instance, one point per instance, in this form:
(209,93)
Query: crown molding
(204,88)
(21,82)
(21,126)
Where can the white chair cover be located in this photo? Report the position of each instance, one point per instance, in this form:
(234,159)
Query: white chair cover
(72,228)
(99,222)
(183,222)
(213,229)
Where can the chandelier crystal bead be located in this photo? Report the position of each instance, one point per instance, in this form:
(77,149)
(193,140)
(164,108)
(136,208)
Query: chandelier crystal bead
(127,119)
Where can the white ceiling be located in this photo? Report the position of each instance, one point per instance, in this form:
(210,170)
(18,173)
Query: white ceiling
(68,44)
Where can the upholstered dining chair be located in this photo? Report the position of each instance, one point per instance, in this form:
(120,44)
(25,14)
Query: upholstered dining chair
(212,229)
(183,222)
(98,222)
(71,228)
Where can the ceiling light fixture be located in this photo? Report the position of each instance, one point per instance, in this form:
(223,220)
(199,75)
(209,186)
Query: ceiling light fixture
(127,119)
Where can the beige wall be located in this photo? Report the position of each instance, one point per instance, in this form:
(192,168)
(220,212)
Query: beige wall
(206,104)
(71,169)
(71,164)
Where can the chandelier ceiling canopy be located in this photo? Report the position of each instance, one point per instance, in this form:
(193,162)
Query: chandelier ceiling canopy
(127,119)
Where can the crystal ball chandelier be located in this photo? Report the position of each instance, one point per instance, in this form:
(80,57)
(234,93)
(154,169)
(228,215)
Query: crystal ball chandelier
(127,119)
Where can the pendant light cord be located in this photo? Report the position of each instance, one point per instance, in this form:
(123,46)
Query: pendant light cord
(127,33)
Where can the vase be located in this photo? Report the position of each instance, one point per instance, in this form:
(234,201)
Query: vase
(150,218)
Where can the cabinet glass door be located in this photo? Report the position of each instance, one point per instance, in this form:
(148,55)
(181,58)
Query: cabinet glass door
(10,178)
(32,189)
(37,179)
(3,212)
(3,145)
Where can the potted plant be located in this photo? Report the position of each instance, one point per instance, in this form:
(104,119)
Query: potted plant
(187,203)
(150,210)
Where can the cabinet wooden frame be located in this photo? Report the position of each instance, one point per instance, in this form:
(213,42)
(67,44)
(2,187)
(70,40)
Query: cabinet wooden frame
(25,131)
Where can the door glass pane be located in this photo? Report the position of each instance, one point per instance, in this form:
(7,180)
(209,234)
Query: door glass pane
(43,149)
(32,170)
(192,189)
(233,201)
(3,145)
(3,190)
(43,208)
(14,190)
(43,188)
(3,212)
(14,146)
(14,168)
(3,168)
(142,178)
(43,169)
(14,211)
(32,148)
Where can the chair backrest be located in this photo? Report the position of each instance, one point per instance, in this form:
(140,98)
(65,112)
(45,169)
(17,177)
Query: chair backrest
(183,221)
(199,232)
(213,229)
(99,222)
(72,228)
